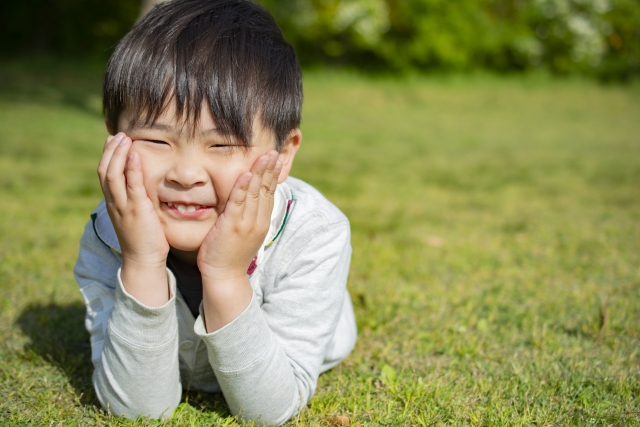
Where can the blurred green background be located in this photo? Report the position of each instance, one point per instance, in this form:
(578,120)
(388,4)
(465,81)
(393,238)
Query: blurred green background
(599,38)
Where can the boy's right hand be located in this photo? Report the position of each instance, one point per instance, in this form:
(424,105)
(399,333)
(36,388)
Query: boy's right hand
(142,241)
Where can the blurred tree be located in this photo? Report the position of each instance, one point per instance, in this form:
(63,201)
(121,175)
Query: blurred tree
(621,60)
(333,31)
(448,35)
(400,34)
(597,37)
(64,27)
(568,35)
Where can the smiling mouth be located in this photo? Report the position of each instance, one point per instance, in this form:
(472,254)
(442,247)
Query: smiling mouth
(183,208)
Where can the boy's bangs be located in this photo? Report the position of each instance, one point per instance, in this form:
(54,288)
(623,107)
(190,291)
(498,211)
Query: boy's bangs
(226,58)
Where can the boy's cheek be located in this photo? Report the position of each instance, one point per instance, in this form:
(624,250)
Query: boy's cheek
(225,178)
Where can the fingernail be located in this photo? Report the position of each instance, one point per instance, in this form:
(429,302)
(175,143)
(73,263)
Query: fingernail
(123,141)
(278,165)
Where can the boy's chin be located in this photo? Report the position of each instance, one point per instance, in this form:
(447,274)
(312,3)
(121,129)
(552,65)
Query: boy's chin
(185,243)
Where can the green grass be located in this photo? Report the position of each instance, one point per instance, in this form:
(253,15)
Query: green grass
(496,236)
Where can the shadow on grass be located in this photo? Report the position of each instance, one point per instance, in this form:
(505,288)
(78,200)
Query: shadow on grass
(58,335)
(207,402)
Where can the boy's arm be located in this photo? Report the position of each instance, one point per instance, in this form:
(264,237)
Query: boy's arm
(142,241)
(136,342)
(268,359)
(134,348)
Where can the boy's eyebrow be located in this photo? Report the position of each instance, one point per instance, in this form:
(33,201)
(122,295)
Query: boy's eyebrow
(138,124)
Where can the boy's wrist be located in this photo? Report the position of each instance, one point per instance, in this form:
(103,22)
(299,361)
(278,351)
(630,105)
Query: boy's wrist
(221,276)
(224,299)
(146,282)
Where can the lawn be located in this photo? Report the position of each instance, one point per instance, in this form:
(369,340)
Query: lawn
(496,236)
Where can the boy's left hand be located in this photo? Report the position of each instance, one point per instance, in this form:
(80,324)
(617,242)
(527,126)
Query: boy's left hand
(231,244)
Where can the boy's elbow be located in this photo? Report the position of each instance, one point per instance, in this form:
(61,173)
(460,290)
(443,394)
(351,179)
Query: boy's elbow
(137,410)
(134,405)
(270,412)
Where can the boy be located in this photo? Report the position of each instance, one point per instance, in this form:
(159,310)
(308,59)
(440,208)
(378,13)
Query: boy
(206,266)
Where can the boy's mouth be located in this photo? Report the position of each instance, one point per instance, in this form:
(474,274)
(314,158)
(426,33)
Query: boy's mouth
(187,210)
(184,208)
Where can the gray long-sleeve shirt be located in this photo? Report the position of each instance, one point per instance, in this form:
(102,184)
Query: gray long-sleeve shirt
(266,361)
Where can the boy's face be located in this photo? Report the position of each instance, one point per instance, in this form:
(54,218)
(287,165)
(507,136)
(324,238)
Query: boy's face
(189,175)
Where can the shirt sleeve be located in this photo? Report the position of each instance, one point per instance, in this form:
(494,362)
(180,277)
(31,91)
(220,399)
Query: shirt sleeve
(268,359)
(134,348)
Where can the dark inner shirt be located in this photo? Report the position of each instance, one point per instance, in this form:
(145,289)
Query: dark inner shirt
(189,284)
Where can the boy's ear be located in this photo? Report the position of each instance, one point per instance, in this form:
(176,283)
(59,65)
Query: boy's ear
(110,128)
(288,153)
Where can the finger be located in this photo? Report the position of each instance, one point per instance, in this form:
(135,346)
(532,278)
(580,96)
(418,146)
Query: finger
(110,145)
(253,193)
(106,143)
(266,203)
(107,152)
(237,199)
(114,178)
(276,175)
(135,182)
(267,178)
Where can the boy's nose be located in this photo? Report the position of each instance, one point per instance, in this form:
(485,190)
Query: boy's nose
(187,172)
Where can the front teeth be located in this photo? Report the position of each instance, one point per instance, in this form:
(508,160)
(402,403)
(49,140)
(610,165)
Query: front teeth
(184,208)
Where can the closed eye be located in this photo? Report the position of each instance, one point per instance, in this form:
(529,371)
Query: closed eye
(225,146)
(156,141)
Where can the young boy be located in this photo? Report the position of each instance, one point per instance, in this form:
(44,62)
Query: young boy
(206,266)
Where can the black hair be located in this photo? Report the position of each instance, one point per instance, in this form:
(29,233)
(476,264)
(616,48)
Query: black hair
(230,54)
